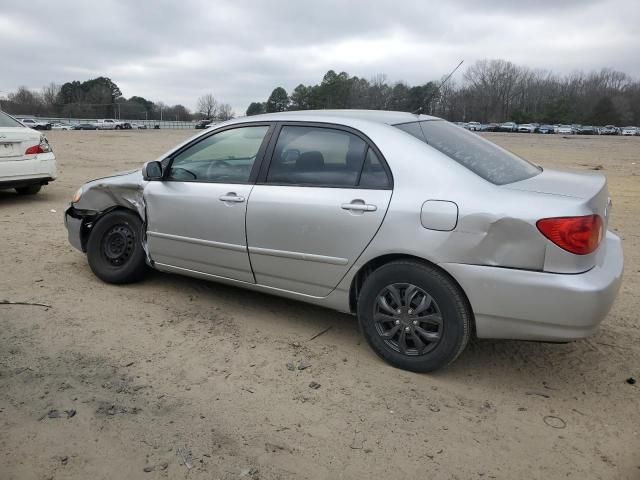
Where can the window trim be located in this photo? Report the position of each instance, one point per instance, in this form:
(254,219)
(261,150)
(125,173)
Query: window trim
(268,158)
(255,169)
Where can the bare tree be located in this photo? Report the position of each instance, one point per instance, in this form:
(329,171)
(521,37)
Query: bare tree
(225,112)
(50,94)
(207,105)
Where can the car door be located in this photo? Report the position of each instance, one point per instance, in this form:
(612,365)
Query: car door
(315,207)
(196,214)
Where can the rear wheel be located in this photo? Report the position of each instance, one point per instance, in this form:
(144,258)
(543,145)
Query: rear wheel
(414,316)
(29,189)
(114,249)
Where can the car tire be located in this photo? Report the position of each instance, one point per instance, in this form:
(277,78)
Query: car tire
(29,189)
(432,308)
(114,249)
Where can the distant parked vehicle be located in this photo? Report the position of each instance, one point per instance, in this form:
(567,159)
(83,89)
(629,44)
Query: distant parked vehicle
(587,130)
(546,129)
(110,124)
(491,127)
(85,126)
(609,130)
(629,131)
(508,127)
(35,124)
(565,130)
(527,128)
(203,124)
(473,126)
(61,126)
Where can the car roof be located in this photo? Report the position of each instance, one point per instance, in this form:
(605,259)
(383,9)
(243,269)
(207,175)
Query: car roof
(376,116)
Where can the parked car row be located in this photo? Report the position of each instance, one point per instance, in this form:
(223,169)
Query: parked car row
(573,129)
(103,124)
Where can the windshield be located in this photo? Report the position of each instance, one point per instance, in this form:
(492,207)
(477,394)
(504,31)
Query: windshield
(7,121)
(481,156)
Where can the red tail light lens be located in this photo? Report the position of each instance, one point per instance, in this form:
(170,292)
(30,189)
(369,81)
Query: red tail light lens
(33,150)
(579,235)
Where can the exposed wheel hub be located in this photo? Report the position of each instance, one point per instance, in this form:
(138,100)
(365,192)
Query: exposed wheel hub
(118,244)
(408,319)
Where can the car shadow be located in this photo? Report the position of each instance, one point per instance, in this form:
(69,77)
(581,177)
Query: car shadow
(483,361)
(10,197)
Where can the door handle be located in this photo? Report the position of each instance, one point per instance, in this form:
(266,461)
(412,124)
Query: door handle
(231,197)
(359,207)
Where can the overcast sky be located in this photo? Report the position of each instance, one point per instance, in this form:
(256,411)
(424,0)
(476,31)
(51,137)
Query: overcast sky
(175,51)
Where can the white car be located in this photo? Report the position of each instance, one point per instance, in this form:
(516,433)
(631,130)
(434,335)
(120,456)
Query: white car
(61,126)
(109,124)
(35,124)
(26,159)
(527,128)
(630,131)
(473,126)
(565,130)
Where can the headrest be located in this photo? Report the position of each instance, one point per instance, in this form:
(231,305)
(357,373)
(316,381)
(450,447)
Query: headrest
(310,161)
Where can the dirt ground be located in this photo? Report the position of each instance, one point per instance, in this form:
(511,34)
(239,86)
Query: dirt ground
(180,378)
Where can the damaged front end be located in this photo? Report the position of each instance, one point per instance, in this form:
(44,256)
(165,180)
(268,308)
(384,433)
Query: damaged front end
(101,196)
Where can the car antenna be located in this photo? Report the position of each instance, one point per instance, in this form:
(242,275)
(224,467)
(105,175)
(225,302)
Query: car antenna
(426,102)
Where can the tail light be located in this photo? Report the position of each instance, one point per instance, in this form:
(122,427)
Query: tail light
(578,235)
(33,150)
(42,147)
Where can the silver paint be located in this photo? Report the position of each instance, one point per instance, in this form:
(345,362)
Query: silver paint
(301,243)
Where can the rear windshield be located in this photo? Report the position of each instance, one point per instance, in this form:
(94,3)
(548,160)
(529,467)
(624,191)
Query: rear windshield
(7,121)
(481,156)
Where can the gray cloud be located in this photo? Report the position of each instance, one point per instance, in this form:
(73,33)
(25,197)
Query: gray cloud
(175,51)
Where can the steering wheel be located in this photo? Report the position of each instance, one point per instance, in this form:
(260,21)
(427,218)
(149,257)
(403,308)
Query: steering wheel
(220,163)
(181,171)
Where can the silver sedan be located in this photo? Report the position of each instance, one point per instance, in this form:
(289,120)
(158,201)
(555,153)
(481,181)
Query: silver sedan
(428,233)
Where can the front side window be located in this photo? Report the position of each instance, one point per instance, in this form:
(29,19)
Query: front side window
(225,157)
(7,121)
(317,156)
(481,156)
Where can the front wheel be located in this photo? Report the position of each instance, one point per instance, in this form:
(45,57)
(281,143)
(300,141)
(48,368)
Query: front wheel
(414,316)
(114,249)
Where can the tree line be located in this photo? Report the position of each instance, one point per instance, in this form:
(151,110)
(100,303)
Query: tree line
(102,98)
(490,91)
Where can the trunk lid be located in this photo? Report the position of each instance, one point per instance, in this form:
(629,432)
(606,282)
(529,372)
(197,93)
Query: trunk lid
(14,141)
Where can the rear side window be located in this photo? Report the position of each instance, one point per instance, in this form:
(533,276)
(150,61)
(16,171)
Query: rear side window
(373,173)
(317,156)
(481,156)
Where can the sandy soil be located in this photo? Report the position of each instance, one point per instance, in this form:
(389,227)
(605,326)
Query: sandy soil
(180,378)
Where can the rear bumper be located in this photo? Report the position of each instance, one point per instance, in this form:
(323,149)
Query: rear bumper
(16,173)
(527,305)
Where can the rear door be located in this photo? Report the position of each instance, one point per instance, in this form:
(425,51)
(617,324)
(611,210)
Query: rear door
(316,207)
(196,215)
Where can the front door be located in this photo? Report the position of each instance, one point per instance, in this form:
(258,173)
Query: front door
(320,204)
(196,214)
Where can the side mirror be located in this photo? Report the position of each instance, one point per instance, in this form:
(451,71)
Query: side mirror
(152,171)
